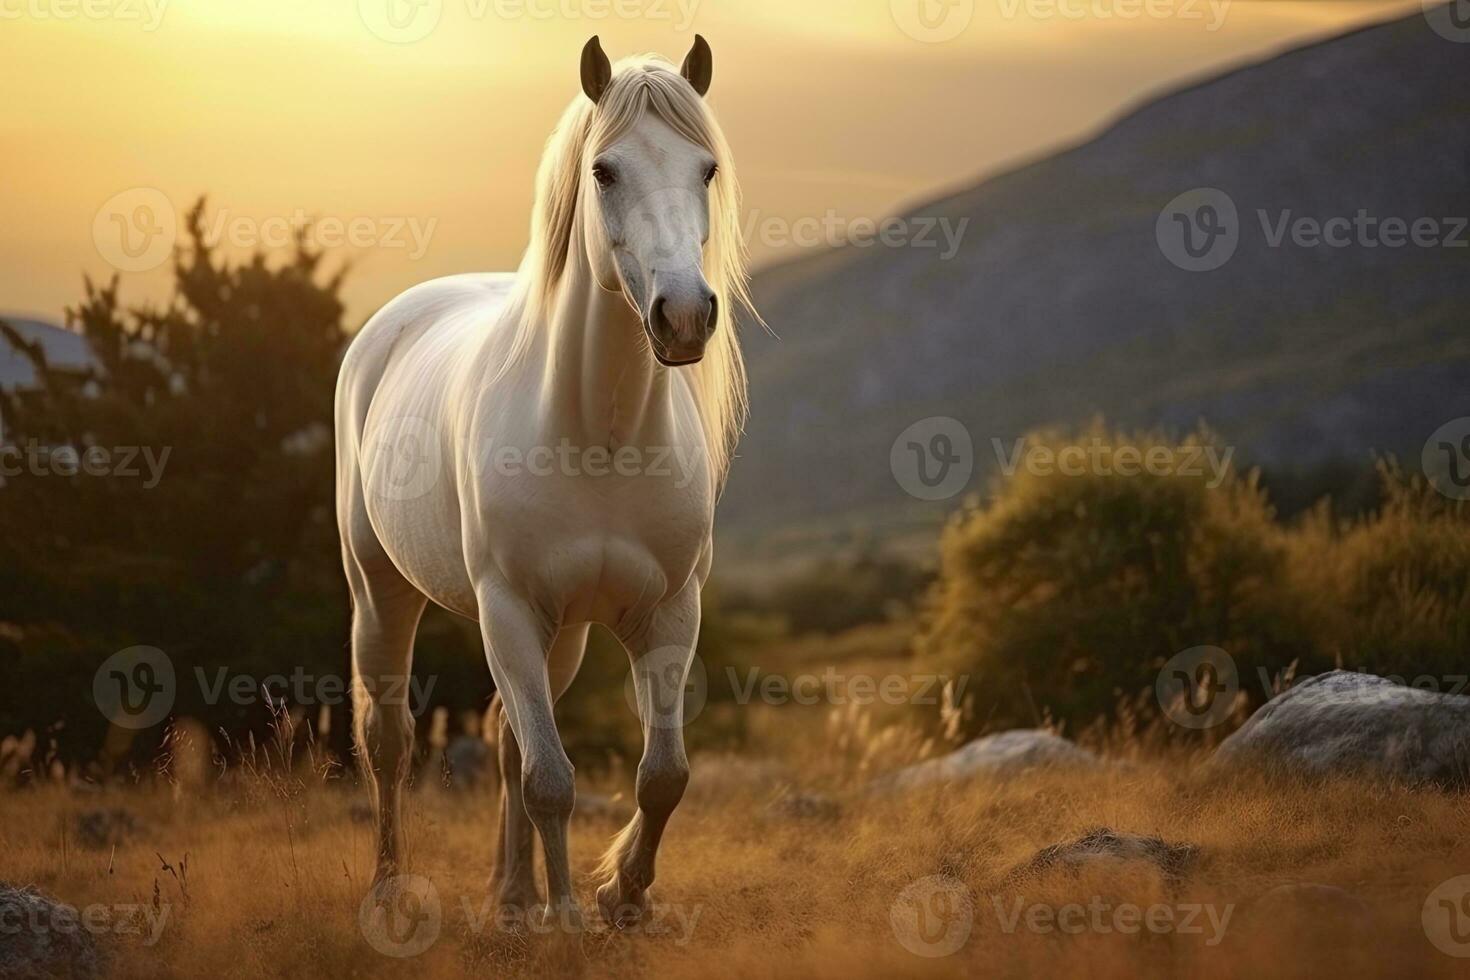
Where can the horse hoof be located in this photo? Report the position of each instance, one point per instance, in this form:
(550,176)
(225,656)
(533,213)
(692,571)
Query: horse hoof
(561,917)
(621,909)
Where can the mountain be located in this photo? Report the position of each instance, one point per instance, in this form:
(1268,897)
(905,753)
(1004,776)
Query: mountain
(64,350)
(1061,303)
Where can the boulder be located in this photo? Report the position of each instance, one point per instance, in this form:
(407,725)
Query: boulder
(1102,845)
(1347,722)
(1005,754)
(44,939)
(106,827)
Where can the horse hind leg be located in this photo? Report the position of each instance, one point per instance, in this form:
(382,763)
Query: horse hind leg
(385,617)
(514,881)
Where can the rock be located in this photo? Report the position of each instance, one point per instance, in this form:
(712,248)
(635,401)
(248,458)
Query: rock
(468,761)
(1349,722)
(1102,845)
(1004,754)
(804,806)
(105,828)
(44,939)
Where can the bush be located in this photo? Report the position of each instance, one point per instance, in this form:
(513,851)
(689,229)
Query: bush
(1392,590)
(1063,594)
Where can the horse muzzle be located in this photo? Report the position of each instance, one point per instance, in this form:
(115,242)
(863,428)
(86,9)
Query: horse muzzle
(679,326)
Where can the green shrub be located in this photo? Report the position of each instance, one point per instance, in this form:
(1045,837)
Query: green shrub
(1063,594)
(1393,590)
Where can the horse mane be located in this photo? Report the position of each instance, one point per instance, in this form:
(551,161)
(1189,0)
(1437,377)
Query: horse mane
(640,84)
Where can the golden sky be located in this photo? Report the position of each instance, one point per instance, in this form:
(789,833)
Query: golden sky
(411,128)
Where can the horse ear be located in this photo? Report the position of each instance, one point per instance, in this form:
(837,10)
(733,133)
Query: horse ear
(699,65)
(596,70)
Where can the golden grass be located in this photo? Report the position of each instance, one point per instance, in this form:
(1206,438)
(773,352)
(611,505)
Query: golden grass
(276,870)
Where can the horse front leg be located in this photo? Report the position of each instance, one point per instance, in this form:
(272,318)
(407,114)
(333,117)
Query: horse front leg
(660,656)
(517,641)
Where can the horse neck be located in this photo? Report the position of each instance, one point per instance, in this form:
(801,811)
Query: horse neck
(602,385)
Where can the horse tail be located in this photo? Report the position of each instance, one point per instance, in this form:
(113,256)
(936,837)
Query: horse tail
(612,859)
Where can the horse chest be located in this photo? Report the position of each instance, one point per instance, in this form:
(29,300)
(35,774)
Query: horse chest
(601,548)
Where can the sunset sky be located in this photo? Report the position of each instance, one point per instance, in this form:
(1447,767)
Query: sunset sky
(417,127)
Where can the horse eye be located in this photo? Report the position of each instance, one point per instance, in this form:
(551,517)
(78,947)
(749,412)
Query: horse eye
(603,175)
(710,174)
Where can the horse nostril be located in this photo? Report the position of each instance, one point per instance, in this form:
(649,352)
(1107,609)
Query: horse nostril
(657,319)
(713,319)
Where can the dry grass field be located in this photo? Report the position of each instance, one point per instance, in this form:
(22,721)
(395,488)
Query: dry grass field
(263,874)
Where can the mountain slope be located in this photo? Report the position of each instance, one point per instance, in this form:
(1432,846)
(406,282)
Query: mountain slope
(1061,303)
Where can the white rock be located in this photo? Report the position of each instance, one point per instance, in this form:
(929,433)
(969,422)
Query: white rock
(1003,754)
(1348,722)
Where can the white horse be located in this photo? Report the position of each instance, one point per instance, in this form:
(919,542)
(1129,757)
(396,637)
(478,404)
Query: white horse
(543,451)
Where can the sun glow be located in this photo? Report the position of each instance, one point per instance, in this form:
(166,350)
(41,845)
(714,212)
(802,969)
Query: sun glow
(438,109)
